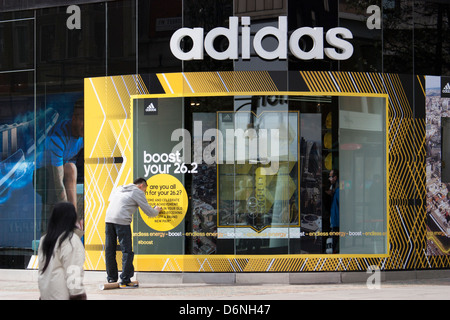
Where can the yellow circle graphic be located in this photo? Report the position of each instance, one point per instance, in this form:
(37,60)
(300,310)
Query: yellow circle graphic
(327,141)
(167,192)
(328,121)
(328,162)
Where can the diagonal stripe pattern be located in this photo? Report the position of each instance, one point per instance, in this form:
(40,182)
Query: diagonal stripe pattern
(109,136)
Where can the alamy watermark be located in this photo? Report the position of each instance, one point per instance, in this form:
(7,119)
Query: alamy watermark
(74,20)
(374,280)
(230,146)
(75,277)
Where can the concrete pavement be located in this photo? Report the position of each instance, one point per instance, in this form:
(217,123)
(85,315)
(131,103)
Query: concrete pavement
(22,285)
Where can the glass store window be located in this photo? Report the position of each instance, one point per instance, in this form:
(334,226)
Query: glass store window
(17,43)
(326,184)
(17,207)
(17,139)
(64,57)
(258,195)
(157,21)
(363,179)
(105,44)
(121,32)
(276,174)
(300,174)
(42,69)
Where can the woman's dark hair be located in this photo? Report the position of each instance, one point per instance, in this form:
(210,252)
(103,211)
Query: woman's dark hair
(61,224)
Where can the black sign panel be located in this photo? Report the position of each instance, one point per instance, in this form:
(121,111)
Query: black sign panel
(151,107)
(445,87)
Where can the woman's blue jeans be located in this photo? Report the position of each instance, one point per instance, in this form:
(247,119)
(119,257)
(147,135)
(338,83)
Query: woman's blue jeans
(123,233)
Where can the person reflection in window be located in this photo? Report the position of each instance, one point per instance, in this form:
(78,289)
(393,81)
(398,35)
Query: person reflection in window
(334,215)
(56,172)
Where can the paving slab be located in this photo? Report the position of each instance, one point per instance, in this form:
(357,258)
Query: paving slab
(26,288)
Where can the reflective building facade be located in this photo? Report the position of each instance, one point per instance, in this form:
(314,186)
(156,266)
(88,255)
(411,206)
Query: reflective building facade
(278,135)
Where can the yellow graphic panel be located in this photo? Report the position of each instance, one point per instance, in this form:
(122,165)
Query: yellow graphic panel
(108,163)
(108,152)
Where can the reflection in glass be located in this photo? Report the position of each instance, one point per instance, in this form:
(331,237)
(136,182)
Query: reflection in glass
(362,182)
(298,176)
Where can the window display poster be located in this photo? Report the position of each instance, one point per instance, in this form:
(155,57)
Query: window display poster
(17,151)
(26,140)
(159,158)
(438,164)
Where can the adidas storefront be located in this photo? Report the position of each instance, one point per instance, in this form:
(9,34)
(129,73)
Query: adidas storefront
(277,136)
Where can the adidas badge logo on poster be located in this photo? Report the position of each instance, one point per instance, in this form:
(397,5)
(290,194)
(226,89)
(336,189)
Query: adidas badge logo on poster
(446,88)
(151,108)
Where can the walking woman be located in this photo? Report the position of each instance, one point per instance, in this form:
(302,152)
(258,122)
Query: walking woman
(61,257)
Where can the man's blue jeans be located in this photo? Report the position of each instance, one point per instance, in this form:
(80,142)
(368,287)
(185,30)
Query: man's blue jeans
(123,233)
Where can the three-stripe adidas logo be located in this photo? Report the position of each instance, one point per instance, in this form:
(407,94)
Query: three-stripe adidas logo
(151,108)
(446,88)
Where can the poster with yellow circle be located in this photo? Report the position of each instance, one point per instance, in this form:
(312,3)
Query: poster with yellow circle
(167,192)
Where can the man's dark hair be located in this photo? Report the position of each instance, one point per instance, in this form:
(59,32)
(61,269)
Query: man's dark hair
(140,181)
(335,173)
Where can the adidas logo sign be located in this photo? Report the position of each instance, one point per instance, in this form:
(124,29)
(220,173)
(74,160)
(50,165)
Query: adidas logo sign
(446,88)
(151,108)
